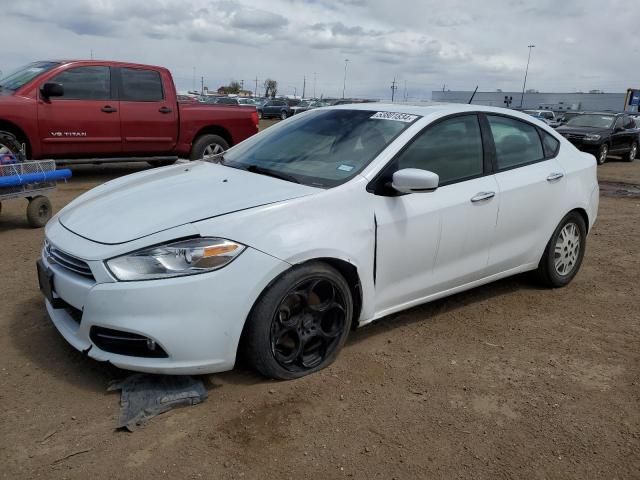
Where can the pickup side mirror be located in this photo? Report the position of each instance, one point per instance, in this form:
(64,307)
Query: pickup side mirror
(414,180)
(52,90)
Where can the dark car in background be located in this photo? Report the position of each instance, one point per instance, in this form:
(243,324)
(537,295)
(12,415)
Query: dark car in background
(602,134)
(277,108)
(305,105)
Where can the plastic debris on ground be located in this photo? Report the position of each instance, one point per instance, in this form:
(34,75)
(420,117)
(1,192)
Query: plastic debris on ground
(144,396)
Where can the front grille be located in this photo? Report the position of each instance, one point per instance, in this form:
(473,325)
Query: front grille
(67,261)
(574,136)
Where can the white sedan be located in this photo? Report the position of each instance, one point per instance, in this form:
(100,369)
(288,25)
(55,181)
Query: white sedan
(324,222)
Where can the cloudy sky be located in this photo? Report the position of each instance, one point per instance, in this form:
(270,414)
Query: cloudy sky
(424,44)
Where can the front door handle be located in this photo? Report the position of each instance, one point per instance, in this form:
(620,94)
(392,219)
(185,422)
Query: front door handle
(479,197)
(555,176)
(164,110)
(109,109)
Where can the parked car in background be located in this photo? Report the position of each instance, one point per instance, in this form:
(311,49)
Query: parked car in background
(88,111)
(564,117)
(278,108)
(305,105)
(602,134)
(547,116)
(338,217)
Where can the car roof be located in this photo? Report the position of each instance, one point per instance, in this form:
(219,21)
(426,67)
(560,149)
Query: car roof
(427,108)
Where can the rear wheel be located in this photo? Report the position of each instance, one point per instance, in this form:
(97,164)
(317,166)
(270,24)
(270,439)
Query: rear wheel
(603,153)
(631,156)
(283,115)
(564,252)
(207,146)
(39,211)
(259,114)
(300,323)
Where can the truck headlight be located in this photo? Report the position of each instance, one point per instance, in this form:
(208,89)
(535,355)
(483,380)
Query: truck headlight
(187,257)
(592,137)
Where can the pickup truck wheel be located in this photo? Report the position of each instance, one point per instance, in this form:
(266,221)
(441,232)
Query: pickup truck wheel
(603,153)
(9,145)
(631,156)
(283,115)
(208,145)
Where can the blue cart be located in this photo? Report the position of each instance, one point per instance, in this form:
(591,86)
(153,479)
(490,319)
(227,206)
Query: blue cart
(31,180)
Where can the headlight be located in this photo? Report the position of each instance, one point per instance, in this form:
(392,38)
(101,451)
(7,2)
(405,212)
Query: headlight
(187,257)
(593,137)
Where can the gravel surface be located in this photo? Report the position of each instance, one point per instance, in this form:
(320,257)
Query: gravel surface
(505,381)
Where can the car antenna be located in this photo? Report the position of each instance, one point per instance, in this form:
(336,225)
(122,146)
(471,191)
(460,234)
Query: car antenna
(473,95)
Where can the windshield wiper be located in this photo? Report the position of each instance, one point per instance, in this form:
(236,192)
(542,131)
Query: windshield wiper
(271,173)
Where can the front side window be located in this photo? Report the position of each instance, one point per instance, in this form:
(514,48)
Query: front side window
(140,85)
(451,148)
(320,148)
(517,143)
(85,83)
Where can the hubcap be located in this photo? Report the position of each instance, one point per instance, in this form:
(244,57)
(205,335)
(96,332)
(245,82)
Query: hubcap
(603,153)
(633,152)
(212,150)
(567,249)
(308,324)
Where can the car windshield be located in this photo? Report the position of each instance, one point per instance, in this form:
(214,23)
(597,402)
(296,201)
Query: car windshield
(321,148)
(23,75)
(596,121)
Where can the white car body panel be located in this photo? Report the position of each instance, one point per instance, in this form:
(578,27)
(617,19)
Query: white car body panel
(406,249)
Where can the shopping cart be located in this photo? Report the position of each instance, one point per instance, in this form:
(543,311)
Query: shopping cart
(30,180)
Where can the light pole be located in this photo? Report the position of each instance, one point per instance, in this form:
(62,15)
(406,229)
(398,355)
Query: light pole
(526,72)
(344,84)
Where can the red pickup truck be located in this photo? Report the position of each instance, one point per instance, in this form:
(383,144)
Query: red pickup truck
(88,111)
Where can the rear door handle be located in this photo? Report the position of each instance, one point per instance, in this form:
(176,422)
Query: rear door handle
(109,109)
(479,197)
(555,176)
(164,110)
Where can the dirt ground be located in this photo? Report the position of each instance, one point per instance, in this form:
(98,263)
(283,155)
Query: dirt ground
(505,381)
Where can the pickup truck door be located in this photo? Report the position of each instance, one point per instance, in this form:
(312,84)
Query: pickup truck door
(85,121)
(148,115)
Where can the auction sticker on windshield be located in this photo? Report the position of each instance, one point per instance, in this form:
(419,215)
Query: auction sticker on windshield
(398,117)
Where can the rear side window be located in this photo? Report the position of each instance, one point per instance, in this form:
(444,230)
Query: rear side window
(550,144)
(85,83)
(140,85)
(517,143)
(451,148)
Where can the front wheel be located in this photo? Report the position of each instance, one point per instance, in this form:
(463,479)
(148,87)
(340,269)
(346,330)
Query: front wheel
(564,253)
(603,153)
(300,323)
(631,156)
(208,145)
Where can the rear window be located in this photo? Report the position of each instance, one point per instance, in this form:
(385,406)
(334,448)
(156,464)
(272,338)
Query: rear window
(140,85)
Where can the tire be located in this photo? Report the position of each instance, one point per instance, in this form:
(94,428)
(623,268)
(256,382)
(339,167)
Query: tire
(633,152)
(260,115)
(300,323)
(9,144)
(39,211)
(213,143)
(564,253)
(603,153)
(283,115)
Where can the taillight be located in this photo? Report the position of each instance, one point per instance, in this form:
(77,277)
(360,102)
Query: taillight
(254,117)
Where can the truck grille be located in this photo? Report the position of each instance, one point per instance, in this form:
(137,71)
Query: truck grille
(67,261)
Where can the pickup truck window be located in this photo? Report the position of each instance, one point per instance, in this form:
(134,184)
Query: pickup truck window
(25,74)
(140,85)
(85,83)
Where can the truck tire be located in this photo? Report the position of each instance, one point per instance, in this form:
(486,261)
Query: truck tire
(208,144)
(39,211)
(10,145)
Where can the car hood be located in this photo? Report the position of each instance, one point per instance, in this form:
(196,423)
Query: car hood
(563,130)
(148,202)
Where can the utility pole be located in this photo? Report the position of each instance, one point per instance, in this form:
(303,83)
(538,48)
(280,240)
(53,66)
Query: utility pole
(405,91)
(255,94)
(526,72)
(344,84)
(201,85)
(315,77)
(304,85)
(394,87)
(241,85)
(92,54)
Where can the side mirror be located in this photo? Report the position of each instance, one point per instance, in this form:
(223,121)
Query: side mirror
(52,90)
(414,180)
